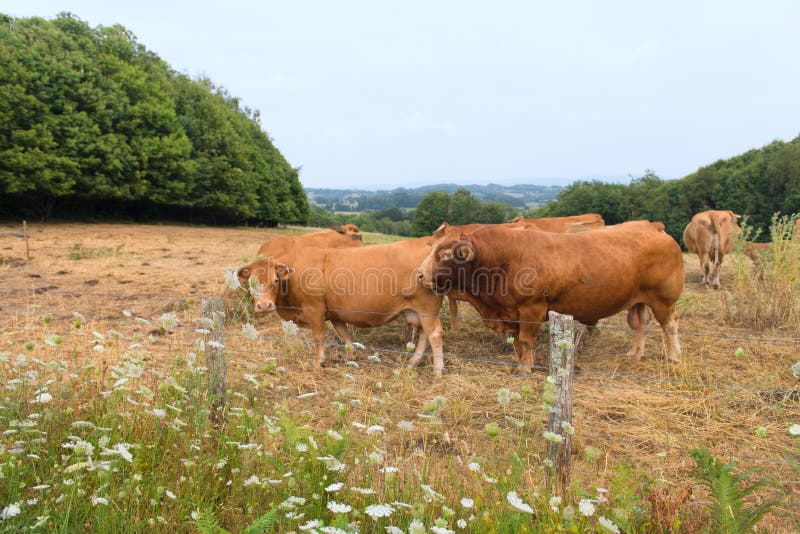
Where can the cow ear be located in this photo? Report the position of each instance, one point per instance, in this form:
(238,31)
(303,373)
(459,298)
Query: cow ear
(439,232)
(338,229)
(283,271)
(464,252)
(244,273)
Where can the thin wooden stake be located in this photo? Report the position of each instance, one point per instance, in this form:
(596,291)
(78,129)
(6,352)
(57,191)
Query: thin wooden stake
(215,359)
(25,235)
(559,420)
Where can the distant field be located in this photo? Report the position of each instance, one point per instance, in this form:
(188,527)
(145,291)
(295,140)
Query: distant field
(640,417)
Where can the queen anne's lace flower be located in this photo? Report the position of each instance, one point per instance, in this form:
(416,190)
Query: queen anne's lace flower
(518,503)
(376,511)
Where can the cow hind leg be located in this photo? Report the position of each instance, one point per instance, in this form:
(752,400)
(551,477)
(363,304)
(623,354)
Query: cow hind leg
(637,320)
(714,278)
(344,335)
(667,317)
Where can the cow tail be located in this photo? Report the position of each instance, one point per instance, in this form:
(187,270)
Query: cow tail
(715,242)
(452,305)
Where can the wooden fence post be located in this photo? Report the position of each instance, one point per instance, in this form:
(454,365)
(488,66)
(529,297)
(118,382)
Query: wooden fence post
(562,365)
(25,235)
(215,359)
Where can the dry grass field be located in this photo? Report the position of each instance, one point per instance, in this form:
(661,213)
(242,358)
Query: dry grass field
(634,420)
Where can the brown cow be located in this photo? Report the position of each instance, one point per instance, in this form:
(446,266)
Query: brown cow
(756,250)
(364,287)
(559,225)
(344,236)
(708,235)
(513,278)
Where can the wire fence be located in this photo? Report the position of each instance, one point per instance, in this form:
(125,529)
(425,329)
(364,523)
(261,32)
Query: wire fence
(389,357)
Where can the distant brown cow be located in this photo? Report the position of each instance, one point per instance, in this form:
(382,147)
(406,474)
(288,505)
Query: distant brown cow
(363,287)
(559,224)
(344,236)
(709,235)
(756,250)
(514,277)
(571,224)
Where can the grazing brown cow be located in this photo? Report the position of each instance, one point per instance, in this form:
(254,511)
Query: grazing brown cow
(363,287)
(755,251)
(344,236)
(559,225)
(709,235)
(514,277)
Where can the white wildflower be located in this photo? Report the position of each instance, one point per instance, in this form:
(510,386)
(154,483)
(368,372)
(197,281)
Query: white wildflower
(607,525)
(12,510)
(436,529)
(474,466)
(232,278)
(405,426)
(99,500)
(567,428)
(376,511)
(338,508)
(301,447)
(794,430)
(249,331)
(375,429)
(552,436)
(310,525)
(289,328)
(586,507)
(42,398)
(518,503)
(467,503)
(252,481)
(461,524)
(168,320)
(215,344)
(796,370)
(53,340)
(169,494)
(555,502)
(334,487)
(503,396)
(416,527)
(334,434)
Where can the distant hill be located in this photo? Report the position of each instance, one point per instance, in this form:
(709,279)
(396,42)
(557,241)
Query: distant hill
(357,200)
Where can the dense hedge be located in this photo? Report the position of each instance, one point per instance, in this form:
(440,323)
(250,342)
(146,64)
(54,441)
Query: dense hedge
(91,120)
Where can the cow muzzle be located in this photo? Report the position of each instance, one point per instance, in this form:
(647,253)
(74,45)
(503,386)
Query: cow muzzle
(264,306)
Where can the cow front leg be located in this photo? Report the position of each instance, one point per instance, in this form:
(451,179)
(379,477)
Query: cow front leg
(432,329)
(531,320)
(318,331)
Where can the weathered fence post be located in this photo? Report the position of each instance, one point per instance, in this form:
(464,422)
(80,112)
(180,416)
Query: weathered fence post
(215,358)
(25,235)
(559,421)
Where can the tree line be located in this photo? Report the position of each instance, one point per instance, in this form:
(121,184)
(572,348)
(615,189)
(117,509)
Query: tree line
(757,184)
(462,207)
(94,124)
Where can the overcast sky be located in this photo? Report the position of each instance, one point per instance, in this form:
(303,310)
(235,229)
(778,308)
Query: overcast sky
(381,94)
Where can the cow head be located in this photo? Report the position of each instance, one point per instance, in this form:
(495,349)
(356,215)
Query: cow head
(349,230)
(446,264)
(263,278)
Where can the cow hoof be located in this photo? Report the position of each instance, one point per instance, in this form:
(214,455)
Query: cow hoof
(634,355)
(522,370)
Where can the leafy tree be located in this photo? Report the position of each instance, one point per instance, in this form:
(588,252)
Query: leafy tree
(431,212)
(464,207)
